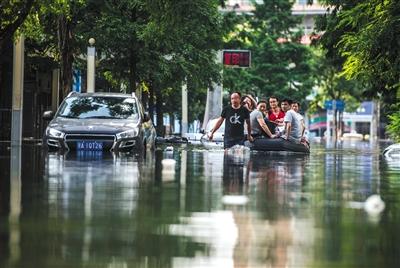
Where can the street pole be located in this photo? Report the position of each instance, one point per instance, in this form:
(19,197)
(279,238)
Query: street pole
(374,125)
(91,57)
(214,98)
(18,91)
(185,120)
(15,205)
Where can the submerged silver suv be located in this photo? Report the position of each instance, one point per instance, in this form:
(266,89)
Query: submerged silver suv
(99,122)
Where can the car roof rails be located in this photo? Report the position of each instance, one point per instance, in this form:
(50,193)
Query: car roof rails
(72,93)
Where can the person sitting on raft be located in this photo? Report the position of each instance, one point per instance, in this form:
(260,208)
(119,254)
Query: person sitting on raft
(258,126)
(249,103)
(293,127)
(296,108)
(275,114)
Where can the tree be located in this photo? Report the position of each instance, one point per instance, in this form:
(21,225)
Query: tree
(364,35)
(281,65)
(153,45)
(156,45)
(12,16)
(50,30)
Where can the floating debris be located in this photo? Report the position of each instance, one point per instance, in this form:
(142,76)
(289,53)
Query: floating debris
(235,200)
(374,205)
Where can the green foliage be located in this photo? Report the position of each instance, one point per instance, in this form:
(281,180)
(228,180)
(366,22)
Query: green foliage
(362,40)
(363,37)
(281,65)
(12,16)
(371,49)
(158,44)
(332,85)
(394,125)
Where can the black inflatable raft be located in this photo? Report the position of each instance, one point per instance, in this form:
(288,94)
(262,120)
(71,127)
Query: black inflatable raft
(276,145)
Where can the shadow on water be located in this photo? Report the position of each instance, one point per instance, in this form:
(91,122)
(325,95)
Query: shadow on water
(191,207)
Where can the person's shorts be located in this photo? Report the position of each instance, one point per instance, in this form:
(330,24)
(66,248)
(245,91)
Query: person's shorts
(232,142)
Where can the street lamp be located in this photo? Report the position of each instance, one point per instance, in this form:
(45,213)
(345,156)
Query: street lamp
(91,57)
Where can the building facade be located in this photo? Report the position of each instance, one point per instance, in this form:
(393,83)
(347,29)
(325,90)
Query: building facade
(300,8)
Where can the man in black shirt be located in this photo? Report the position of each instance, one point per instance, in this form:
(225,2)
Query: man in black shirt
(235,116)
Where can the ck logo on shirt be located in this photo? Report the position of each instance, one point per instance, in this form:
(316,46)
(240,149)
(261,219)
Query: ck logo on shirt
(235,119)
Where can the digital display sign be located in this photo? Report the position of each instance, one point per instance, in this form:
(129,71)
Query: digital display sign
(237,58)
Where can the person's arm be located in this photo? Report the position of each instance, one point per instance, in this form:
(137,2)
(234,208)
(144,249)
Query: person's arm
(303,127)
(265,127)
(249,137)
(288,128)
(278,122)
(216,127)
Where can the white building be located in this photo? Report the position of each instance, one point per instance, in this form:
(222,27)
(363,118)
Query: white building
(300,8)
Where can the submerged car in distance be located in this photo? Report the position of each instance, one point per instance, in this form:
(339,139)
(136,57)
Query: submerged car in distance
(99,122)
(218,138)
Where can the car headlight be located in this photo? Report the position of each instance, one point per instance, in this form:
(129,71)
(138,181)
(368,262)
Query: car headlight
(54,133)
(128,134)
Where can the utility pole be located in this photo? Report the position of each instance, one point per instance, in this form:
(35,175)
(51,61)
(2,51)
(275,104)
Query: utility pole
(18,91)
(185,120)
(214,98)
(91,72)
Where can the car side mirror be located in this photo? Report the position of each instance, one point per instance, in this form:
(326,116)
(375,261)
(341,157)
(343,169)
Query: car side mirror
(48,115)
(146,117)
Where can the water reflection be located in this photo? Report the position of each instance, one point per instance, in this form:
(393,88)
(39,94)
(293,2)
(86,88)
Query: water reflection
(234,209)
(15,205)
(234,235)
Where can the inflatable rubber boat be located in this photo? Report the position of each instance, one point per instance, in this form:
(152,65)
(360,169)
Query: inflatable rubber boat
(267,145)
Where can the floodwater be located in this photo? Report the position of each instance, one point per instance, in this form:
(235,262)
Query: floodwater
(194,207)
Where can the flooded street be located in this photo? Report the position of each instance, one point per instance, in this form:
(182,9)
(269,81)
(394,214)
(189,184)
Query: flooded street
(193,207)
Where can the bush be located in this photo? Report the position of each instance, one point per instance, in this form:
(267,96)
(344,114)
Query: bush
(394,126)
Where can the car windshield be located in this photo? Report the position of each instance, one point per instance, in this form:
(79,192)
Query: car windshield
(99,107)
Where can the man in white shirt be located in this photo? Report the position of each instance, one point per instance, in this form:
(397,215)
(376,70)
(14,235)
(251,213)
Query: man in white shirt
(293,129)
(296,108)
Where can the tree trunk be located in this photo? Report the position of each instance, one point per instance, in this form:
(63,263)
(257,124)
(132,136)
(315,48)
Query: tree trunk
(159,110)
(335,125)
(132,72)
(8,29)
(151,101)
(66,54)
(1,74)
(171,123)
(340,129)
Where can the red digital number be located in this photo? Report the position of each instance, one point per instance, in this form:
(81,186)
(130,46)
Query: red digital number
(227,58)
(236,58)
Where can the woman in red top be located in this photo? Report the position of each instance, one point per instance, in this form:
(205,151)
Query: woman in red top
(275,114)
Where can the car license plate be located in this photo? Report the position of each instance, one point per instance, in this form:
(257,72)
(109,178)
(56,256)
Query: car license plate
(89,145)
